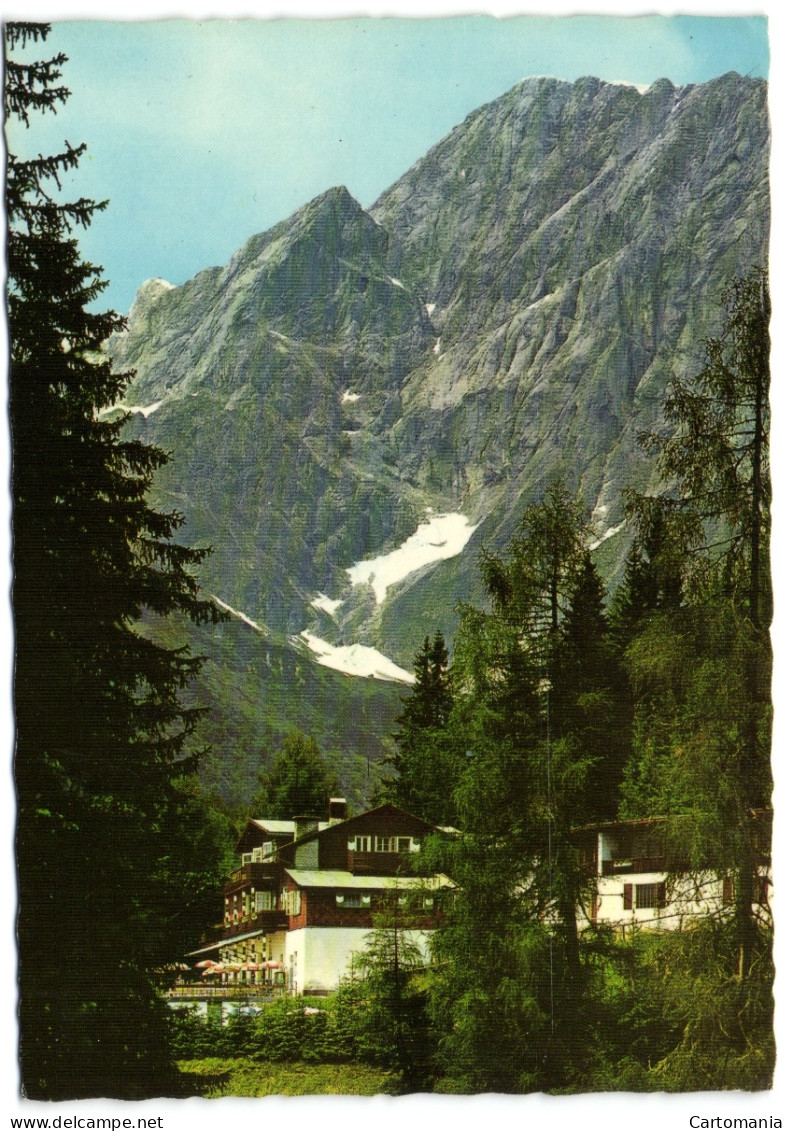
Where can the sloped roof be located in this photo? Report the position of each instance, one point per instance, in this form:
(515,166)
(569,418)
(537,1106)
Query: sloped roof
(268,825)
(271,827)
(274,827)
(387,808)
(224,942)
(333,878)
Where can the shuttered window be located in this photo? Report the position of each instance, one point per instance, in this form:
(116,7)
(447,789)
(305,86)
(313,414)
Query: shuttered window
(650,896)
(627,897)
(353,899)
(290,901)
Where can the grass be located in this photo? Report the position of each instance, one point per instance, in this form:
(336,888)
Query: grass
(214,1077)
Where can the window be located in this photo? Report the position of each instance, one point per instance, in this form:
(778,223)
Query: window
(762,890)
(265,901)
(393,843)
(290,901)
(650,895)
(361,844)
(247,857)
(353,899)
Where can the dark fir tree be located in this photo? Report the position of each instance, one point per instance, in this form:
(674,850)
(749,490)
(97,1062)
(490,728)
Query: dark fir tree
(427,761)
(591,701)
(535,705)
(653,578)
(388,995)
(102,738)
(299,782)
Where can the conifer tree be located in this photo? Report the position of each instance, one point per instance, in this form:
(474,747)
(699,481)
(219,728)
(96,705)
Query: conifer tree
(535,701)
(706,668)
(102,738)
(591,704)
(653,579)
(716,460)
(391,1025)
(299,782)
(427,763)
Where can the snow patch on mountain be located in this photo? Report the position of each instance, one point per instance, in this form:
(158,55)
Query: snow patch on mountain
(349,397)
(355,659)
(612,530)
(143,410)
(326,604)
(442,536)
(236,613)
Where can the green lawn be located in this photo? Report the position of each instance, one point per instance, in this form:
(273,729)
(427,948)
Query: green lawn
(240,1076)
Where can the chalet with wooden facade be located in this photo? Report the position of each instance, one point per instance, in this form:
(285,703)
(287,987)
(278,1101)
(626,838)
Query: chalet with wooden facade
(307,893)
(639,880)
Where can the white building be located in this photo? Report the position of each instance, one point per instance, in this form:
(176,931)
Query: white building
(637,886)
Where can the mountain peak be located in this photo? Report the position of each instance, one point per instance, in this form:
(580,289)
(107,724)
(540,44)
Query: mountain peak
(339,196)
(336,204)
(152,289)
(148,295)
(514,304)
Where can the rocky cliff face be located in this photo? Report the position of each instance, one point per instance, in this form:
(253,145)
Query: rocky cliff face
(512,308)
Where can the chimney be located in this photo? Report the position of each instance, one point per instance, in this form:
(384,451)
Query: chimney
(337,810)
(305,824)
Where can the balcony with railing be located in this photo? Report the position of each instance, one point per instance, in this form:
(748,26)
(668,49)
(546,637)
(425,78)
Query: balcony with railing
(257,874)
(264,921)
(379,863)
(633,865)
(200,991)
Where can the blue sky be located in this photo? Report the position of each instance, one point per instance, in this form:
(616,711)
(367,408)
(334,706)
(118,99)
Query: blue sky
(202,133)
